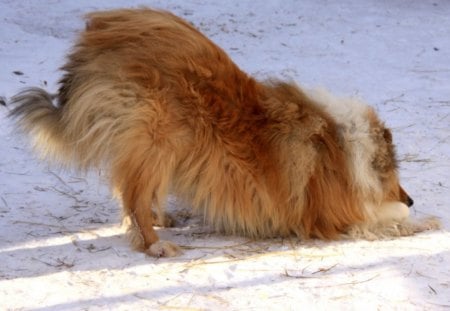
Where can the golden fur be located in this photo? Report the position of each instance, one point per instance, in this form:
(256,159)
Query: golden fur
(164,110)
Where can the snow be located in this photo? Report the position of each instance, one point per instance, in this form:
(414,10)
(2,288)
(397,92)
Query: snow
(61,243)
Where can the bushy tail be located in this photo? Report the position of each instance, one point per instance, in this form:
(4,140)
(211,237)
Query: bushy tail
(38,117)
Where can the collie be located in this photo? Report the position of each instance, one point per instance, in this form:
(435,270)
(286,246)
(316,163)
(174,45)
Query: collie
(152,101)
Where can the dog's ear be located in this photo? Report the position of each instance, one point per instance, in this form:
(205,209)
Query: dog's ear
(387,135)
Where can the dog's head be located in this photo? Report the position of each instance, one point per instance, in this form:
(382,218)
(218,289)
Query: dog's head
(370,149)
(384,162)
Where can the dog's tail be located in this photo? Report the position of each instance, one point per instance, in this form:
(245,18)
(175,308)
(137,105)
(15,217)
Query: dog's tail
(38,117)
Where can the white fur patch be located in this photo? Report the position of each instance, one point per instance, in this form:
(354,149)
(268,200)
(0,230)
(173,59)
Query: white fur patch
(351,115)
(392,212)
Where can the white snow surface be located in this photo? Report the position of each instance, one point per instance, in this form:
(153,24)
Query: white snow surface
(62,246)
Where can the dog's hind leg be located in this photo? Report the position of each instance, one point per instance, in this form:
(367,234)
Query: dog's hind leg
(141,173)
(145,186)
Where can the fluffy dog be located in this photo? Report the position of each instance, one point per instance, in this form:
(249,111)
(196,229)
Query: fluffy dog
(160,107)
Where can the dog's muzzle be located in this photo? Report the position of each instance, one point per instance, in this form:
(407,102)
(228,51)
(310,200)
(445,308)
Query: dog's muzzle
(409,201)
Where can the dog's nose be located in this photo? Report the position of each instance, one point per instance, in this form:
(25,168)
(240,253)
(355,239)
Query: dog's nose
(409,201)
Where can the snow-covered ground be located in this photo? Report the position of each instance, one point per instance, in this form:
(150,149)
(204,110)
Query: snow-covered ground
(61,243)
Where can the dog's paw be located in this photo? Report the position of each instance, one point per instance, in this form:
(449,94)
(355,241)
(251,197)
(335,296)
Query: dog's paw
(164,249)
(411,227)
(430,223)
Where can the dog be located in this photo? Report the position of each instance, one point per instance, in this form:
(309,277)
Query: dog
(152,101)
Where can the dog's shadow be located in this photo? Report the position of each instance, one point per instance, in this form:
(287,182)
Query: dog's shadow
(106,246)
